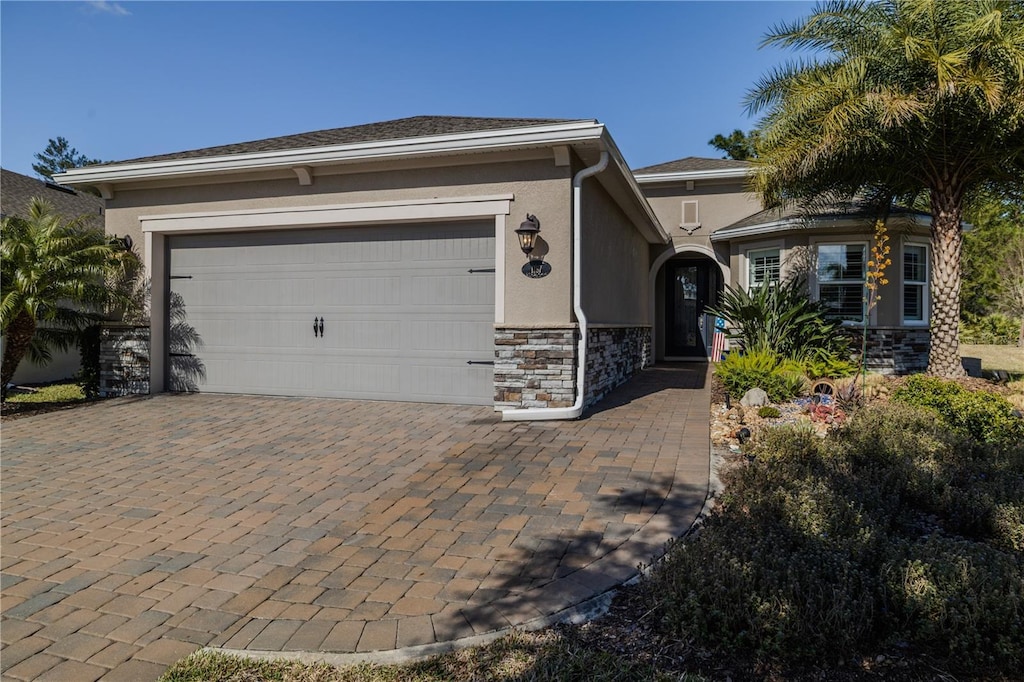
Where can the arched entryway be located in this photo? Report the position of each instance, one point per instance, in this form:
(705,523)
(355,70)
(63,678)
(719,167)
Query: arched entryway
(684,283)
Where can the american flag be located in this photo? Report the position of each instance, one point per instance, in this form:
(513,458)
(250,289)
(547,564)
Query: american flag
(717,345)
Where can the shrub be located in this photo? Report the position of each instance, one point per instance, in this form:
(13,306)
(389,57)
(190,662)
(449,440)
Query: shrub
(962,599)
(894,528)
(768,412)
(760,369)
(781,318)
(828,367)
(89,351)
(985,417)
(990,329)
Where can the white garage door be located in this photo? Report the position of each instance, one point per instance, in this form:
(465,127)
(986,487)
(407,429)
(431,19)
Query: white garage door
(406,313)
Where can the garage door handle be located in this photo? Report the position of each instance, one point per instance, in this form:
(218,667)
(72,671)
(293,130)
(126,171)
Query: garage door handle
(318,326)
(321,327)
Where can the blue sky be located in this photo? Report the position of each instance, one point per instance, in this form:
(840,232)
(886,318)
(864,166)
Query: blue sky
(128,79)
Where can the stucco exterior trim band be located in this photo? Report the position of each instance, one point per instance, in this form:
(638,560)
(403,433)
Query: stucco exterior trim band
(338,214)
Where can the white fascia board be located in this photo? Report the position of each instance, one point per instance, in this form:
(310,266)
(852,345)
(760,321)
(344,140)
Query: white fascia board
(408,210)
(485,140)
(727,233)
(722,173)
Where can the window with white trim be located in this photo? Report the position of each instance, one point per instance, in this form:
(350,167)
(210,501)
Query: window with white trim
(915,284)
(763,267)
(841,275)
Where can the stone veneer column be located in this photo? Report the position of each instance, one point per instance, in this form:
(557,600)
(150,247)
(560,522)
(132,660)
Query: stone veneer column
(534,367)
(614,354)
(124,360)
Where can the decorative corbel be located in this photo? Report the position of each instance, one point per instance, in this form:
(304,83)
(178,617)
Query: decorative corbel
(305,175)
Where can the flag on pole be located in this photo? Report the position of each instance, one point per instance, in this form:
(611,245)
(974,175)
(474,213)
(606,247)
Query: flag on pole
(718,340)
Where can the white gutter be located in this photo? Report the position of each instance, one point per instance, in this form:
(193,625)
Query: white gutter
(645,178)
(484,140)
(547,413)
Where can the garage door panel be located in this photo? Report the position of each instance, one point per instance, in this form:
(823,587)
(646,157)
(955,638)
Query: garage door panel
(402,313)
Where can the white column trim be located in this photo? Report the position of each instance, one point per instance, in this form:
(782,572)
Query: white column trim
(499,269)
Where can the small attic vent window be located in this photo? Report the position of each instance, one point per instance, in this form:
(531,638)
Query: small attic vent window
(690,220)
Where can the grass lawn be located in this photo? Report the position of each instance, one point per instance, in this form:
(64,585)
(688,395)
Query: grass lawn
(54,393)
(1007,358)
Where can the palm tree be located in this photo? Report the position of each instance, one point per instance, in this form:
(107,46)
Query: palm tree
(904,98)
(52,283)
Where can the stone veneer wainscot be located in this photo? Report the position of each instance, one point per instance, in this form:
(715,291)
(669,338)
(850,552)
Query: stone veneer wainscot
(534,367)
(896,350)
(537,367)
(614,354)
(124,360)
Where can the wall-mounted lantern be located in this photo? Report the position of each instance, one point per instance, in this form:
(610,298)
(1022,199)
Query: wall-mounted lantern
(527,233)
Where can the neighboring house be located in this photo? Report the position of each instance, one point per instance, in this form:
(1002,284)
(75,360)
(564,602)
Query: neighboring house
(16,192)
(382,261)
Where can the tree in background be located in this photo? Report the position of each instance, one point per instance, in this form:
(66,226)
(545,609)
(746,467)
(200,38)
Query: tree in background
(58,157)
(53,278)
(990,277)
(900,97)
(738,145)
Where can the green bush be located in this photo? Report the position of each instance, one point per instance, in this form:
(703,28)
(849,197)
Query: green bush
(768,412)
(985,417)
(828,367)
(894,528)
(780,379)
(781,318)
(990,329)
(964,599)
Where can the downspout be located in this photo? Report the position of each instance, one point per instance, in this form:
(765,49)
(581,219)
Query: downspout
(547,413)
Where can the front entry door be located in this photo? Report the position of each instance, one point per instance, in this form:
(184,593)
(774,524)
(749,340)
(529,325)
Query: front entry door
(688,284)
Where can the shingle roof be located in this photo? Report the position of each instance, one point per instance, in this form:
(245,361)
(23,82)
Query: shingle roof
(17,190)
(691,163)
(793,213)
(397,129)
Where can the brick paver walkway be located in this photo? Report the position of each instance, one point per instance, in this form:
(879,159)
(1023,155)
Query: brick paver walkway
(135,532)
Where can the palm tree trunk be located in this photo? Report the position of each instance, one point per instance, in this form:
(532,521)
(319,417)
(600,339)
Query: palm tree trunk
(947,244)
(16,341)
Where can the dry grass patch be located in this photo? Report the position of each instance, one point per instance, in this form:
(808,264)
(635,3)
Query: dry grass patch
(1006,358)
(547,655)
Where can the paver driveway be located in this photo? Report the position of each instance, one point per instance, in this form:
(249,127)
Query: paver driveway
(134,532)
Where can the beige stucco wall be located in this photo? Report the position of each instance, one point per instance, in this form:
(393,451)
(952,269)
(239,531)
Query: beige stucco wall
(539,186)
(615,262)
(719,203)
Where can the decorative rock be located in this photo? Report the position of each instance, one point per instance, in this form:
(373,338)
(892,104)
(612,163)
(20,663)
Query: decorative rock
(755,397)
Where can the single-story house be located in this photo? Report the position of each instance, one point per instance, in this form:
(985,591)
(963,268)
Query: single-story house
(16,193)
(518,263)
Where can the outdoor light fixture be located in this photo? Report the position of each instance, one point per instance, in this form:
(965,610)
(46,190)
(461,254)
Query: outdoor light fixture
(527,233)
